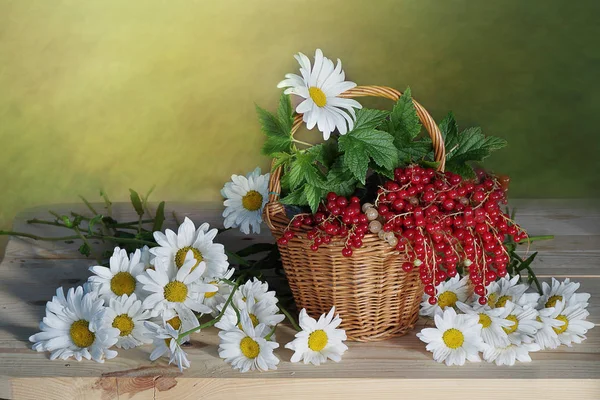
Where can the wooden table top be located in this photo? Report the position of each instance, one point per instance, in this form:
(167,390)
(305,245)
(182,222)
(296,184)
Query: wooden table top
(401,367)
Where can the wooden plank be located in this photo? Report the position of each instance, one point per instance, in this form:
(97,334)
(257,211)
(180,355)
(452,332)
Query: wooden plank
(292,388)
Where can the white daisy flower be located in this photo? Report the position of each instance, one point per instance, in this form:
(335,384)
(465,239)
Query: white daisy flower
(509,354)
(73,327)
(320,86)
(492,321)
(575,326)
(525,325)
(164,339)
(245,199)
(219,296)
(120,277)
(127,315)
(174,247)
(247,349)
(259,313)
(318,340)
(564,292)
(507,289)
(176,291)
(448,294)
(546,336)
(257,290)
(455,338)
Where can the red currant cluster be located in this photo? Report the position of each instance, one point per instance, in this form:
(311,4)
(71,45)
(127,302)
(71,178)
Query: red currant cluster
(438,220)
(340,218)
(443,222)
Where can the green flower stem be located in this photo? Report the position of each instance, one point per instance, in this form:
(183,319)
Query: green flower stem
(289,317)
(129,224)
(301,142)
(88,204)
(44,222)
(537,238)
(236,258)
(268,337)
(124,240)
(36,237)
(218,317)
(82,236)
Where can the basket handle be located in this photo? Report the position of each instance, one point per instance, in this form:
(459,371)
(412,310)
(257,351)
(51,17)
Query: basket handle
(273,207)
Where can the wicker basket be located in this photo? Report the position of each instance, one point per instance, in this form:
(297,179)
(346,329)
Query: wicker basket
(375,298)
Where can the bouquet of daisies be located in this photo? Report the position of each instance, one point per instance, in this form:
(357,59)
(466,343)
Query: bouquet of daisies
(163,294)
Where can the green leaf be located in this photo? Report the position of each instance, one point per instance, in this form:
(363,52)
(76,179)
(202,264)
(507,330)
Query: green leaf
(279,138)
(137,202)
(85,250)
(285,112)
(340,180)
(462,169)
(448,127)
(276,144)
(303,169)
(313,195)
(159,219)
(325,153)
(415,150)
(295,198)
(404,123)
(255,249)
(94,221)
(388,173)
(280,159)
(369,119)
(360,145)
(471,145)
(430,164)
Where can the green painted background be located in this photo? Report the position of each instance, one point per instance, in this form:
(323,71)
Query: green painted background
(131,93)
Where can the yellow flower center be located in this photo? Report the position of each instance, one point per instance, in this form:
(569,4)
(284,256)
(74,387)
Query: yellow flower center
(168,342)
(176,292)
(249,347)
(492,297)
(453,338)
(502,301)
(122,283)
(124,323)
(252,200)
(317,340)
(254,320)
(511,329)
(210,294)
(181,253)
(485,320)
(447,299)
(175,322)
(317,96)
(81,334)
(561,329)
(552,300)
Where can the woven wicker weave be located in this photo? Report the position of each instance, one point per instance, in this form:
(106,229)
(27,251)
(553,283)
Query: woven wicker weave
(375,298)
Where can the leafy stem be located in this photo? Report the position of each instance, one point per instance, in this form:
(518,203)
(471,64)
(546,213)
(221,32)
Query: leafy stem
(289,317)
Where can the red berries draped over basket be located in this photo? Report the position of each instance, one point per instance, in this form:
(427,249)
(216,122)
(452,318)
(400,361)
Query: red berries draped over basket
(443,223)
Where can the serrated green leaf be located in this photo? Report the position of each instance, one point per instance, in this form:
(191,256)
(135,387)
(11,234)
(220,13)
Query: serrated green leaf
(340,180)
(448,128)
(430,164)
(388,173)
(277,144)
(404,123)
(462,169)
(159,219)
(360,145)
(295,198)
(136,202)
(303,169)
(325,153)
(280,159)
(472,145)
(285,112)
(415,150)
(369,119)
(313,196)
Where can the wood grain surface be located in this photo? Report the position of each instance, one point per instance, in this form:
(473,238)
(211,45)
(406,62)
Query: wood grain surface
(400,367)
